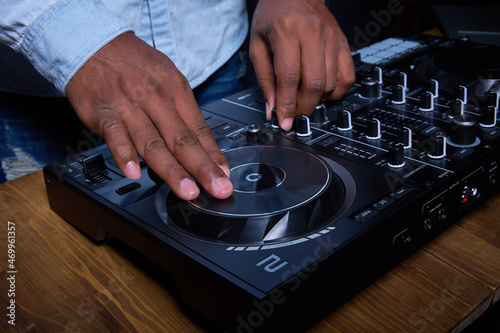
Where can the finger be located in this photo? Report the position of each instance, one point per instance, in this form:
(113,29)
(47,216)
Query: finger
(346,73)
(155,152)
(313,74)
(262,61)
(115,133)
(287,69)
(186,148)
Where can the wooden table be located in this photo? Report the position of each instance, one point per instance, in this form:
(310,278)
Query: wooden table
(66,283)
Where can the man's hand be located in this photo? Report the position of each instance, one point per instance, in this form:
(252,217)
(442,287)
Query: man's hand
(135,97)
(300,56)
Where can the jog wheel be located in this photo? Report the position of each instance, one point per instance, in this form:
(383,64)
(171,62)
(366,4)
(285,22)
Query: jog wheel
(279,194)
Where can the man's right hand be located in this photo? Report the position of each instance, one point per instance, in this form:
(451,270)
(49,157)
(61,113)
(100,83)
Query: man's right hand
(135,97)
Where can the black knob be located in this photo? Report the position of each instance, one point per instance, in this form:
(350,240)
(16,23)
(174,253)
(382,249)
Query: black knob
(461,93)
(491,99)
(463,130)
(302,126)
(404,136)
(344,120)
(402,79)
(399,95)
(319,115)
(254,133)
(370,88)
(433,87)
(377,74)
(436,147)
(396,155)
(426,101)
(457,108)
(373,129)
(489,117)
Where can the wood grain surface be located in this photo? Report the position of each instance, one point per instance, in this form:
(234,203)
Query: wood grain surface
(66,283)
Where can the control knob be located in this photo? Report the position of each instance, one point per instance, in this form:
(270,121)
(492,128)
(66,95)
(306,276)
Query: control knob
(396,155)
(437,147)
(319,115)
(373,129)
(404,136)
(344,120)
(461,93)
(433,87)
(402,79)
(427,101)
(489,117)
(399,95)
(302,126)
(370,88)
(254,133)
(463,128)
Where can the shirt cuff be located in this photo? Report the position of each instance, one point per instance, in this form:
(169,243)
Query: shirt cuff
(65,36)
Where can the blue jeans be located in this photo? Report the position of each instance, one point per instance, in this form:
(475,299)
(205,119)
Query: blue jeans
(35,131)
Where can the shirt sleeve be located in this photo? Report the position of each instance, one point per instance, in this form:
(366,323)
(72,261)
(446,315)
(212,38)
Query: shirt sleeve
(58,36)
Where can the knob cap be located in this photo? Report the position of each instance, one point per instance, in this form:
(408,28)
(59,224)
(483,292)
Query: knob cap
(396,155)
(254,133)
(457,108)
(433,87)
(302,126)
(370,88)
(404,136)
(437,147)
(461,93)
(427,101)
(463,130)
(489,117)
(319,115)
(491,99)
(399,95)
(373,129)
(344,120)
(402,79)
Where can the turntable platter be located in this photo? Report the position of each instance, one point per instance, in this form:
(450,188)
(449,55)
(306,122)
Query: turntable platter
(279,193)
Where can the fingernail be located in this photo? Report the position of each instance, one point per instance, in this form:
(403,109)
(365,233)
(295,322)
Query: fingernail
(226,170)
(287,124)
(132,170)
(188,186)
(268,112)
(223,187)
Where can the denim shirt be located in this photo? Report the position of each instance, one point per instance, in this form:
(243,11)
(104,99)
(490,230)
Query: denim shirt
(59,36)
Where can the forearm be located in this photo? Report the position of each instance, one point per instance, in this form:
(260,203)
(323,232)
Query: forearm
(58,37)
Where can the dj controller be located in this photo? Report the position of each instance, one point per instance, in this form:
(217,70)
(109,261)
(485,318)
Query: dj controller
(318,212)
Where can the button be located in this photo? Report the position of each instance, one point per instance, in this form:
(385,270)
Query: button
(365,215)
(401,193)
(215,122)
(463,153)
(333,140)
(491,134)
(234,136)
(225,129)
(384,203)
(127,188)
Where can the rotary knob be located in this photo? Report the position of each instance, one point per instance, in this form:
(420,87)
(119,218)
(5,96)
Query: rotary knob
(254,133)
(463,130)
(399,95)
(433,87)
(373,129)
(426,102)
(404,136)
(344,120)
(370,88)
(489,117)
(302,126)
(402,79)
(491,99)
(319,115)
(396,155)
(437,147)
(461,93)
